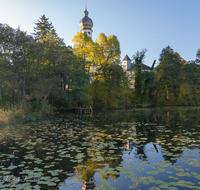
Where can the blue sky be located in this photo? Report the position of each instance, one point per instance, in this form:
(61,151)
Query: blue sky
(138,24)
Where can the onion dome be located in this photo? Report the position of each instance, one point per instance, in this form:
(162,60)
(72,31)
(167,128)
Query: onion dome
(86,22)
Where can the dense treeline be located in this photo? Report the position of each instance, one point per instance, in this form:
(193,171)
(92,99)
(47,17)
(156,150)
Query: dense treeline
(174,82)
(39,73)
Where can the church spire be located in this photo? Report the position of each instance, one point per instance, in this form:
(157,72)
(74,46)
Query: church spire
(86,12)
(86,23)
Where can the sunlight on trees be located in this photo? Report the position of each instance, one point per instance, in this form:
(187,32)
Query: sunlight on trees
(39,73)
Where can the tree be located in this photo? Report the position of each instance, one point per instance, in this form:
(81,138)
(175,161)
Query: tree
(104,53)
(198,55)
(36,71)
(107,52)
(149,87)
(114,80)
(14,65)
(168,76)
(43,26)
(61,74)
(189,85)
(138,58)
(166,52)
(84,49)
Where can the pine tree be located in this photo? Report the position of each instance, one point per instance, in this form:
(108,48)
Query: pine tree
(43,26)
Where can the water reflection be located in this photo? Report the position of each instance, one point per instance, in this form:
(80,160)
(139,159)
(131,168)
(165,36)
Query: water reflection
(89,185)
(105,150)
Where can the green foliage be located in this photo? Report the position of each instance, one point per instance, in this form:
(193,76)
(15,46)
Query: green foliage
(84,49)
(109,84)
(40,71)
(168,77)
(111,93)
(42,28)
(166,52)
(173,82)
(189,85)
(198,54)
(139,80)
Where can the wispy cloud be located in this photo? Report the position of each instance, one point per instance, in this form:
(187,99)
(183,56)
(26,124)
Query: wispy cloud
(160,35)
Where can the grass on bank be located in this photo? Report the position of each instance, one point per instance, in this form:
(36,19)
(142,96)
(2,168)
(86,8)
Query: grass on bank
(22,114)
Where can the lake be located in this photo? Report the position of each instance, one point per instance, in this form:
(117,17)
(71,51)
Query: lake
(135,149)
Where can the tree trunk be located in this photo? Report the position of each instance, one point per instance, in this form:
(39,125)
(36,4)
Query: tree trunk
(45,98)
(16,82)
(13,97)
(2,98)
(167,93)
(24,93)
(106,99)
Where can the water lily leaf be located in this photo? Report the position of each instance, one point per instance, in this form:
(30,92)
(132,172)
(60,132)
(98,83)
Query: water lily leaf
(73,184)
(51,184)
(115,180)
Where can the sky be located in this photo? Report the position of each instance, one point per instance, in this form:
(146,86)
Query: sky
(138,24)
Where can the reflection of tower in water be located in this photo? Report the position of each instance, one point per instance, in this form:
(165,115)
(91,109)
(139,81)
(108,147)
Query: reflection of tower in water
(89,185)
(130,144)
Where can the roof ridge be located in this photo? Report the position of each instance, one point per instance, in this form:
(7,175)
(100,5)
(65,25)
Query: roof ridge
(126,58)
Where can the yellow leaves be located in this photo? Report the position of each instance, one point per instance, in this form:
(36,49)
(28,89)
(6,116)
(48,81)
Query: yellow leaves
(101,40)
(81,40)
(109,48)
(6,117)
(103,52)
(83,48)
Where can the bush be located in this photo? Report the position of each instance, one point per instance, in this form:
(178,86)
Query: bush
(7,117)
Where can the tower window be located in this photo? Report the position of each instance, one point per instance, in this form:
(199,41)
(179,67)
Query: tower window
(88,32)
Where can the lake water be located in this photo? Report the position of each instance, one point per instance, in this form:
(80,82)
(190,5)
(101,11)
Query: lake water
(137,149)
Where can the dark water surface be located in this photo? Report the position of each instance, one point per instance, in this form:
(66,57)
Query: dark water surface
(138,149)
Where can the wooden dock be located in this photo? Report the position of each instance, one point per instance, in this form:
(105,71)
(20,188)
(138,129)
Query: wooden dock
(83,110)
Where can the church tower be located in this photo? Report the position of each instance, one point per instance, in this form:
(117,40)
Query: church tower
(126,62)
(86,23)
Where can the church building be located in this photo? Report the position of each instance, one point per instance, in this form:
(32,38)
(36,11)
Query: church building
(86,25)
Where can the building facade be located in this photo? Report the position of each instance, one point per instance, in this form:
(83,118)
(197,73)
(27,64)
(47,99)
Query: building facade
(129,68)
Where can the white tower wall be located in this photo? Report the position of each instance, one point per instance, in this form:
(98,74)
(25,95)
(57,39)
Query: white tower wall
(88,32)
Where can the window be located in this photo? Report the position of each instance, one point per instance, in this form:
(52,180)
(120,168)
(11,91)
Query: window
(130,72)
